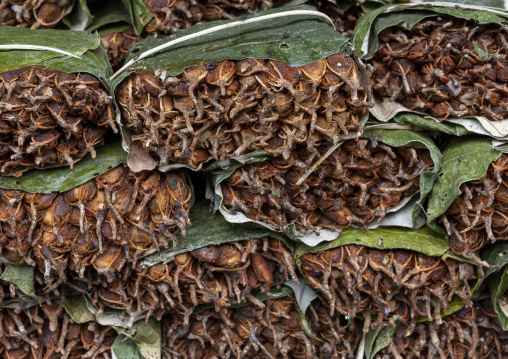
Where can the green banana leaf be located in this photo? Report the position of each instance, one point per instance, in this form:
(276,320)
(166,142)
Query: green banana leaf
(209,229)
(307,38)
(68,51)
(404,215)
(464,159)
(365,40)
(61,179)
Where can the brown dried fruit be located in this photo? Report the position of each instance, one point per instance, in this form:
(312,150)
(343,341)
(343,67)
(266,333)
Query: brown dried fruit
(32,13)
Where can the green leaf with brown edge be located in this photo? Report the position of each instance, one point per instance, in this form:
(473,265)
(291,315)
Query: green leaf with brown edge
(21,275)
(210,229)
(307,38)
(378,339)
(429,124)
(139,14)
(464,159)
(92,58)
(61,179)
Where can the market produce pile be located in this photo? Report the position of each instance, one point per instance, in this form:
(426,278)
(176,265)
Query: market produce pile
(259,179)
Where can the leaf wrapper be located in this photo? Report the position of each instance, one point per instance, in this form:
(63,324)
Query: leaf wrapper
(405,214)
(366,42)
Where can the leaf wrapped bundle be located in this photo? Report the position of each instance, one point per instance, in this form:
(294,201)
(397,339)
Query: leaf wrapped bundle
(115,217)
(470,333)
(34,14)
(49,117)
(276,331)
(357,184)
(445,67)
(47,331)
(231,108)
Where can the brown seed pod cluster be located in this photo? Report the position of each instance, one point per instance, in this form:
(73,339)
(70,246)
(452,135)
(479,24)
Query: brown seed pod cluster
(118,45)
(394,285)
(49,117)
(355,185)
(344,21)
(172,16)
(275,331)
(47,331)
(479,215)
(219,275)
(434,68)
(113,218)
(470,333)
(231,108)
(33,13)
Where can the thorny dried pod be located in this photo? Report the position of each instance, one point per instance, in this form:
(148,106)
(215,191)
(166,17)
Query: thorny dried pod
(469,199)
(242,98)
(52,113)
(315,194)
(388,276)
(450,63)
(98,214)
(275,331)
(473,332)
(47,331)
(34,14)
(217,265)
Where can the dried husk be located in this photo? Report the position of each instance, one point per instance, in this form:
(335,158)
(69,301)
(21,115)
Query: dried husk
(472,332)
(389,276)
(274,331)
(34,14)
(336,205)
(456,104)
(205,119)
(54,98)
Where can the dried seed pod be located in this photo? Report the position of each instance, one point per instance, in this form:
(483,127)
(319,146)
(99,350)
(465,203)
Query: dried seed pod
(31,13)
(231,108)
(47,331)
(478,215)
(118,45)
(274,331)
(356,185)
(473,332)
(50,118)
(344,21)
(115,217)
(436,68)
(392,285)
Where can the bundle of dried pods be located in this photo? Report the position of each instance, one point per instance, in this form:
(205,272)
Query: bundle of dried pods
(470,333)
(49,117)
(47,331)
(219,275)
(356,185)
(395,285)
(172,16)
(344,20)
(118,45)
(113,218)
(231,108)
(445,67)
(479,214)
(275,331)
(33,13)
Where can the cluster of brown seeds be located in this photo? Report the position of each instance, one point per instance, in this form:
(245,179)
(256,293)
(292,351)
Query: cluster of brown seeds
(49,117)
(33,13)
(355,185)
(394,285)
(219,275)
(231,108)
(473,332)
(479,215)
(344,21)
(171,16)
(118,45)
(274,331)
(436,68)
(114,218)
(47,331)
